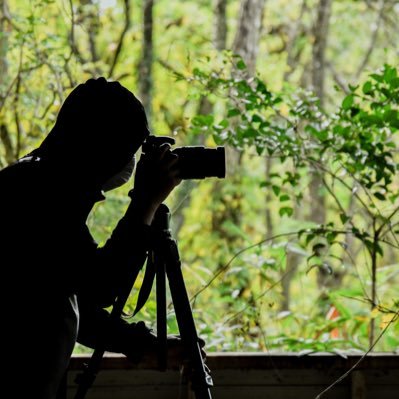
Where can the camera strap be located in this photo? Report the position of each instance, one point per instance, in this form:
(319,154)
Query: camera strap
(147,284)
(159,255)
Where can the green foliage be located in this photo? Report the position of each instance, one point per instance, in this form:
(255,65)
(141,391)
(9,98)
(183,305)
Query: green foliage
(239,238)
(353,149)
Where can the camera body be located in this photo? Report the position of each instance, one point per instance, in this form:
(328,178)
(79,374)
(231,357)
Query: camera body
(195,162)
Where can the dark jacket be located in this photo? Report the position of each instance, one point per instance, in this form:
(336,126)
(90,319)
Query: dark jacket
(49,263)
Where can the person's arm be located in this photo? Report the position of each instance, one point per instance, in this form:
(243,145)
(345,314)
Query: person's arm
(125,251)
(97,328)
(121,257)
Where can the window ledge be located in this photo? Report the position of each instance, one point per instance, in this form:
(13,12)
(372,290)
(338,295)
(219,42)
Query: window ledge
(252,375)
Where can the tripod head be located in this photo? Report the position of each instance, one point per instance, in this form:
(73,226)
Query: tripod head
(161,221)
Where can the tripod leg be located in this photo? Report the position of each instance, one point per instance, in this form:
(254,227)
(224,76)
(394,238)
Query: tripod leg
(201,380)
(161,313)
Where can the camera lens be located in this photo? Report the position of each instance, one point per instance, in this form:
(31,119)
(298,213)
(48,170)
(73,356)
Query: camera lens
(200,162)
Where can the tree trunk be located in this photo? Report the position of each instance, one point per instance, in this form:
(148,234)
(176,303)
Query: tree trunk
(320,33)
(246,41)
(145,66)
(205,107)
(316,80)
(9,152)
(296,30)
(220,35)
(318,212)
(245,44)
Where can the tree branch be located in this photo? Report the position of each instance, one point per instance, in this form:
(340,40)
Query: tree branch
(7,143)
(126,4)
(337,78)
(73,45)
(373,39)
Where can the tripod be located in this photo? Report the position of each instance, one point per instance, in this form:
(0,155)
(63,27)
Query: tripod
(163,262)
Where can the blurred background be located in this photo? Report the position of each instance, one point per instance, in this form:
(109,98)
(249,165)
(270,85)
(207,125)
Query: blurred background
(296,249)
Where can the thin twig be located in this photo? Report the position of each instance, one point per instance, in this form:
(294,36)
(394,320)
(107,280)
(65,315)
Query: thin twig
(236,255)
(343,376)
(259,243)
(387,220)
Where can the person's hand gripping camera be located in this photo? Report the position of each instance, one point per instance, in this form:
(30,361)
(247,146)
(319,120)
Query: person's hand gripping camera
(157,174)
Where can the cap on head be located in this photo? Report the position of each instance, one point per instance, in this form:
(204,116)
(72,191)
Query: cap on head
(100,124)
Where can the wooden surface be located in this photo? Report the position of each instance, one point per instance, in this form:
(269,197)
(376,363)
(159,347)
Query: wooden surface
(248,376)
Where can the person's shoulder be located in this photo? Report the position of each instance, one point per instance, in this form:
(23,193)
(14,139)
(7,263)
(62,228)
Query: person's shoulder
(19,176)
(18,168)
(9,174)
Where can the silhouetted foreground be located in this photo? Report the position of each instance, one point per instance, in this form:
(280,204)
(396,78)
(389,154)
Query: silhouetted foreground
(52,270)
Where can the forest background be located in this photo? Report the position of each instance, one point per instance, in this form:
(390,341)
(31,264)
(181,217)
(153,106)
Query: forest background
(296,249)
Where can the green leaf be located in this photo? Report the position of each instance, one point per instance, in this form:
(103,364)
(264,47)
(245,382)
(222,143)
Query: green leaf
(367,87)
(284,198)
(377,77)
(286,210)
(309,238)
(203,120)
(379,249)
(391,117)
(353,88)
(320,134)
(276,190)
(394,83)
(233,112)
(317,247)
(331,236)
(241,65)
(390,73)
(380,196)
(348,102)
(344,218)
(257,118)
(259,149)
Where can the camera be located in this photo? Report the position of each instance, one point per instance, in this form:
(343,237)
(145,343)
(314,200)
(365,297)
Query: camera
(195,162)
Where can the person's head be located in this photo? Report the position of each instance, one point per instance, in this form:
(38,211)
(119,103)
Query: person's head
(99,128)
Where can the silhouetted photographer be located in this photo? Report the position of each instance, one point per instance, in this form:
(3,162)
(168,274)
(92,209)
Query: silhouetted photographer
(56,280)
